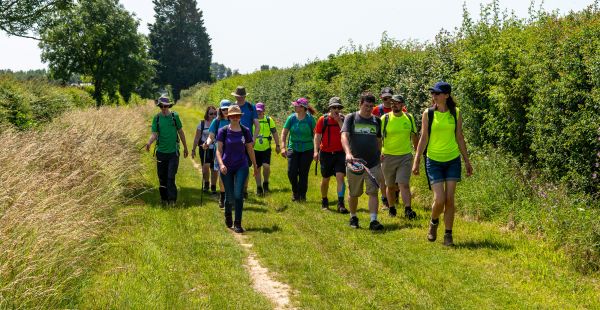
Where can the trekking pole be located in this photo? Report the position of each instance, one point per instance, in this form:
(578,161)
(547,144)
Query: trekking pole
(316,164)
(202,173)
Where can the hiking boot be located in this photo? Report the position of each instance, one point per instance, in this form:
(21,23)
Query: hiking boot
(385,204)
(354,222)
(410,214)
(221,204)
(432,235)
(324,204)
(205,187)
(266,187)
(375,225)
(237,227)
(213,189)
(392,211)
(302,198)
(228,220)
(341,208)
(295,197)
(260,191)
(245,195)
(448,240)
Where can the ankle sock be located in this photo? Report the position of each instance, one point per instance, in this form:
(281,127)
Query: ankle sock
(435,221)
(373,217)
(352,214)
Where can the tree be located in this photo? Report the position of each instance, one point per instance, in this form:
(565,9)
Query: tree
(219,71)
(18,17)
(180,45)
(99,39)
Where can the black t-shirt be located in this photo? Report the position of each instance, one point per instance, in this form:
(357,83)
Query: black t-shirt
(364,133)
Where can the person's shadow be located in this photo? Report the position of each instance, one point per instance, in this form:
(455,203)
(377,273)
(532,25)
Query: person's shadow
(187,197)
(265,230)
(483,244)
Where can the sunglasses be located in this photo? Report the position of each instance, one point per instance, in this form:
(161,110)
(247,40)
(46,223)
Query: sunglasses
(236,116)
(162,106)
(386,98)
(436,93)
(212,113)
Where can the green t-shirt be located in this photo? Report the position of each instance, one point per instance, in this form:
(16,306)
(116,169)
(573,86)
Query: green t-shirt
(442,145)
(167,132)
(301,132)
(397,139)
(265,132)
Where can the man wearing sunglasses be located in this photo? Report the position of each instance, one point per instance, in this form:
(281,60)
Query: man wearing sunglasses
(166,131)
(328,150)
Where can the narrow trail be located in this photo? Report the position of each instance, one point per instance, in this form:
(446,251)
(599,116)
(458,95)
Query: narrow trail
(277,292)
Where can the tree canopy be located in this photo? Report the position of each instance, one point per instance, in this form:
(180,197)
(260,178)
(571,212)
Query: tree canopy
(180,45)
(99,39)
(18,17)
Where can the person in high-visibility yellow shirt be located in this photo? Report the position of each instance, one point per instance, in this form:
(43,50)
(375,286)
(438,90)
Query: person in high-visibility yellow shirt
(262,149)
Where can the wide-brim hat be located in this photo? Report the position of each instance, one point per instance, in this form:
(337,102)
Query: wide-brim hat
(163,100)
(335,102)
(234,110)
(240,91)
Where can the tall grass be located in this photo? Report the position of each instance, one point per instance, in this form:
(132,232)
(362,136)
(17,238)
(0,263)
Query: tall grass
(60,186)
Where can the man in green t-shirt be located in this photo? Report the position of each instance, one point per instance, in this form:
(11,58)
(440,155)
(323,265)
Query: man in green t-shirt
(262,148)
(166,131)
(399,137)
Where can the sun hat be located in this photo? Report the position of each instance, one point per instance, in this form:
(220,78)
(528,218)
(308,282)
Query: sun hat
(240,91)
(301,102)
(234,110)
(163,100)
(398,98)
(224,104)
(260,107)
(387,92)
(441,87)
(335,102)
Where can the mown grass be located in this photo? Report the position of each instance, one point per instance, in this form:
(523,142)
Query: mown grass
(184,257)
(59,189)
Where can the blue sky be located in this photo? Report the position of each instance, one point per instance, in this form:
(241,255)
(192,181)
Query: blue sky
(247,34)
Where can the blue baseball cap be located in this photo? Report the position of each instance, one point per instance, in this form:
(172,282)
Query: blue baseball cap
(224,104)
(441,87)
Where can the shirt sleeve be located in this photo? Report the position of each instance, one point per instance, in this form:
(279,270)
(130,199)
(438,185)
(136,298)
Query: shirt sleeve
(154,125)
(213,126)
(221,134)
(346,125)
(178,121)
(288,122)
(320,124)
(247,135)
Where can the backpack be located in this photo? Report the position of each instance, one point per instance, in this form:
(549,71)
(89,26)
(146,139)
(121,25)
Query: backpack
(353,116)
(381,110)
(386,119)
(200,142)
(157,117)
(325,125)
(245,132)
(269,128)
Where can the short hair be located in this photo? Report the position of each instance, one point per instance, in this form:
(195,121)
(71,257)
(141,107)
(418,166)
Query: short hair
(367,97)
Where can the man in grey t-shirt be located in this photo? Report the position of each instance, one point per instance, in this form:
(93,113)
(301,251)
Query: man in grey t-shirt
(361,139)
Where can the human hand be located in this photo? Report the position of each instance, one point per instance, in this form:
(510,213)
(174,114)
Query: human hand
(316,156)
(223,169)
(469,168)
(147,147)
(185,152)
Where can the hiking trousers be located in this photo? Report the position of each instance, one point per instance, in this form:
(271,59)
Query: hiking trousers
(234,190)
(298,168)
(166,166)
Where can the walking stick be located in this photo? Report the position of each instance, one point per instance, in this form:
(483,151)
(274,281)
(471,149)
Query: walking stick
(202,172)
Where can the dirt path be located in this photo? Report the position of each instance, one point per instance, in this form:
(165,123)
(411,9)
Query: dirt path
(277,292)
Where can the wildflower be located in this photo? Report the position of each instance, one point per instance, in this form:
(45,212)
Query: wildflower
(594,175)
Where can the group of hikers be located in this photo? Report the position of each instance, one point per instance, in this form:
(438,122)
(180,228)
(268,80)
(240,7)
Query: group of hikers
(372,148)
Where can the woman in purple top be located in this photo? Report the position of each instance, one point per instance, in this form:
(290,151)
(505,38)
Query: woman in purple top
(233,142)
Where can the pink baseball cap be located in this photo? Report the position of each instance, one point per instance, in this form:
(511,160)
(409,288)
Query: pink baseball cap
(301,102)
(260,107)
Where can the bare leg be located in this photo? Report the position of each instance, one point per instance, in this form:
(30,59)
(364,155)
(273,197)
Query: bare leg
(324,187)
(439,199)
(450,209)
(405,193)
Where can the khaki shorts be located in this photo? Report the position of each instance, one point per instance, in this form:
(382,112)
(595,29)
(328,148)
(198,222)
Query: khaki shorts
(397,169)
(355,182)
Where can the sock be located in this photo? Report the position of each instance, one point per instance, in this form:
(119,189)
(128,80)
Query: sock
(407,208)
(222,198)
(435,221)
(213,188)
(352,214)
(373,217)
(325,200)
(343,192)
(448,231)
(206,185)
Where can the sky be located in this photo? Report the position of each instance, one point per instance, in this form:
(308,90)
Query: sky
(246,34)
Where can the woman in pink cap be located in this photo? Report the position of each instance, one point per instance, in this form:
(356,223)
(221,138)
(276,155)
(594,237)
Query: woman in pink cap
(299,152)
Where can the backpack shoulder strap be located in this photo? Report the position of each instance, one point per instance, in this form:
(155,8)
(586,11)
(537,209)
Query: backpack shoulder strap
(381,109)
(325,123)
(430,114)
(386,120)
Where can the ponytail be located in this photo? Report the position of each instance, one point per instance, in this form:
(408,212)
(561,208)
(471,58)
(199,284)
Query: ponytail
(451,105)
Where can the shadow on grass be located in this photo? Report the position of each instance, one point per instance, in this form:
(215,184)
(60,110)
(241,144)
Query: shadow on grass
(187,198)
(255,209)
(281,209)
(265,230)
(483,244)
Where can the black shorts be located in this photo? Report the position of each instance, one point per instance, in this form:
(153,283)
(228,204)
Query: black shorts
(263,157)
(332,163)
(210,155)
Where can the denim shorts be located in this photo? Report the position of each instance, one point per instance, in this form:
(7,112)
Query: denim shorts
(443,171)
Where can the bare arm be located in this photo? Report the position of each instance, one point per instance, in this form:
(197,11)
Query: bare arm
(422,142)
(284,133)
(197,137)
(346,146)
(256,128)
(182,137)
(250,150)
(317,143)
(460,139)
(415,140)
(153,138)
(219,154)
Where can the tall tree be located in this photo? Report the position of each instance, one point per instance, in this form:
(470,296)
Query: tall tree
(99,39)
(18,17)
(180,45)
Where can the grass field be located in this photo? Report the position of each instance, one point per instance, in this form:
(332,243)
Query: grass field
(184,257)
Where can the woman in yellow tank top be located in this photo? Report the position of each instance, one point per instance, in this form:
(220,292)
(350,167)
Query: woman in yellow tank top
(444,149)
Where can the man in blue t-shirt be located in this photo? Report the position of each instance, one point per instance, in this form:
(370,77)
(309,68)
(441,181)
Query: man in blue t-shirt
(249,120)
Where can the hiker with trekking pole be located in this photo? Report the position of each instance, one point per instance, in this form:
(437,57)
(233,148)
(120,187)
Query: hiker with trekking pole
(328,150)
(443,144)
(299,148)
(209,175)
(167,132)
(234,141)
(399,138)
(218,123)
(361,140)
